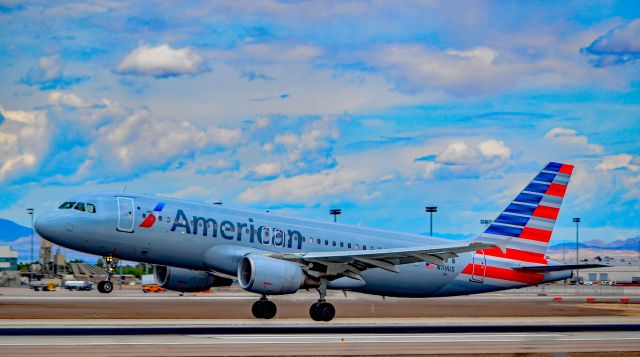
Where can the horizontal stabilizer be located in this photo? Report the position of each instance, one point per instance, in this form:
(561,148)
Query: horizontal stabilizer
(544,268)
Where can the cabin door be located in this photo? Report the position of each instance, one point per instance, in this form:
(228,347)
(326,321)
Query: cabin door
(479,267)
(125,214)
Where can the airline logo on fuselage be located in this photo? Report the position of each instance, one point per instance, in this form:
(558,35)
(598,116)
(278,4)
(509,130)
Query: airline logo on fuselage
(239,231)
(150,219)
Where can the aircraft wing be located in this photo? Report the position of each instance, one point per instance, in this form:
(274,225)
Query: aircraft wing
(352,263)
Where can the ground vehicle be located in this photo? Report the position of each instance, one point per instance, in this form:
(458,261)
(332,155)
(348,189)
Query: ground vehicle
(38,285)
(153,288)
(78,285)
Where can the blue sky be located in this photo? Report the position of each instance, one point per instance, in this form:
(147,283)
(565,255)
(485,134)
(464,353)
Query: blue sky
(377,107)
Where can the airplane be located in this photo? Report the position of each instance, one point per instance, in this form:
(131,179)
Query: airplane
(195,246)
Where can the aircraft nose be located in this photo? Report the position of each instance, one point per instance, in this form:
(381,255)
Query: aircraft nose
(45,225)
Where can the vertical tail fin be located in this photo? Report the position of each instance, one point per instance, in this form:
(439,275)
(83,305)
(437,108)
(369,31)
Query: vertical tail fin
(527,222)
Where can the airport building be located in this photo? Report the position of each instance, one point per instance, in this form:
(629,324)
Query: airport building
(619,273)
(8,258)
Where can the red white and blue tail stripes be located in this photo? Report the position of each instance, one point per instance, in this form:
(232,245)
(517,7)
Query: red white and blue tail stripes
(529,219)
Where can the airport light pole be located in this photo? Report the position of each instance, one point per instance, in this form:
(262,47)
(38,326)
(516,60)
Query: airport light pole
(30,211)
(430,210)
(335,212)
(486,222)
(576,220)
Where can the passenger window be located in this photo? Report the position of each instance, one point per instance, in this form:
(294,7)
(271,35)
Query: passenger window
(144,215)
(67,205)
(326,242)
(349,245)
(334,243)
(91,208)
(168,219)
(318,241)
(79,206)
(364,247)
(341,244)
(160,218)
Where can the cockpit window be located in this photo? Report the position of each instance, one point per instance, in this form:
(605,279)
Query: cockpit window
(79,206)
(91,208)
(67,205)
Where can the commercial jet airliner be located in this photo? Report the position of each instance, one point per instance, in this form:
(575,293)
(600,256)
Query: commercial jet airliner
(195,246)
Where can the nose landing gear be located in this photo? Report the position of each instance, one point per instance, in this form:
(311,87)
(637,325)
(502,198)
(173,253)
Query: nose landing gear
(106,286)
(264,309)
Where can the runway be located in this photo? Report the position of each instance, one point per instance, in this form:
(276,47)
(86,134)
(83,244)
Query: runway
(132,323)
(382,342)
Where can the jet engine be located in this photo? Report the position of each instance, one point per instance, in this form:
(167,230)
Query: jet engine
(270,276)
(185,280)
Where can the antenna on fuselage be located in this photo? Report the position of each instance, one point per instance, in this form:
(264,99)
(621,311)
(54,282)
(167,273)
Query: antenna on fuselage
(124,189)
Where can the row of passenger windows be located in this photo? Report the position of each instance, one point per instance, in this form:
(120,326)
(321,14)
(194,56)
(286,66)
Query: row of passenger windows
(80,206)
(311,240)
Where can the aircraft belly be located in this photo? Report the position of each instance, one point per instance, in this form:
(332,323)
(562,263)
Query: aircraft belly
(412,280)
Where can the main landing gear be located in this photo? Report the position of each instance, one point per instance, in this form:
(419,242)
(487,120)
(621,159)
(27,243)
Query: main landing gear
(322,310)
(106,286)
(264,309)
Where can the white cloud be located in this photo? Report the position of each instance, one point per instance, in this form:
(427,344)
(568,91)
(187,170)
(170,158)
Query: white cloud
(273,52)
(48,74)
(192,192)
(430,167)
(458,152)
(162,61)
(620,161)
(570,137)
(84,111)
(66,99)
(494,148)
(302,188)
(621,44)
(462,153)
(140,140)
(24,140)
(460,72)
(267,169)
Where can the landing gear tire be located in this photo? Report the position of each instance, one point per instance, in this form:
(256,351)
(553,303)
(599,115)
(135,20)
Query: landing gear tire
(264,309)
(105,287)
(322,311)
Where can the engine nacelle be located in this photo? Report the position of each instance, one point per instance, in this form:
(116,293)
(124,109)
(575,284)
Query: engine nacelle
(185,280)
(269,276)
